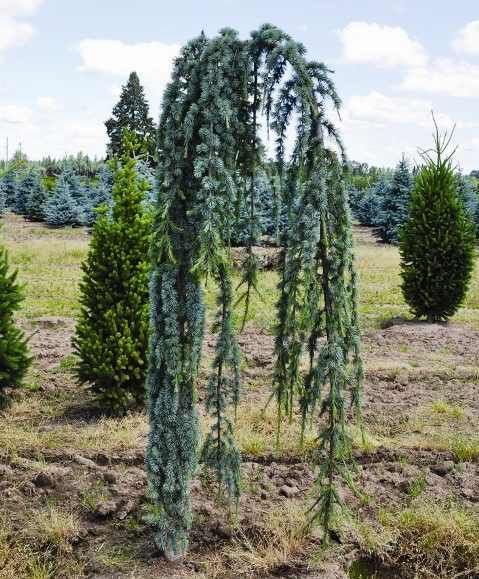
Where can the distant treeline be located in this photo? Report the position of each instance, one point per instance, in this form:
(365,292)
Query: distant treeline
(379,197)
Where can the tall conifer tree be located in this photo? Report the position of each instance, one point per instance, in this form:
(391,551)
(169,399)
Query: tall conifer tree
(209,156)
(131,113)
(112,331)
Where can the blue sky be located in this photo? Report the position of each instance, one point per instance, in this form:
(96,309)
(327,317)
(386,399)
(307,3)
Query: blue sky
(62,63)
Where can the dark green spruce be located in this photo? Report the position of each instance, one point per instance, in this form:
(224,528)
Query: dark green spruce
(131,113)
(14,357)
(437,242)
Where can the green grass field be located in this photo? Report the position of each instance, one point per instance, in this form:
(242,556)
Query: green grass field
(49,260)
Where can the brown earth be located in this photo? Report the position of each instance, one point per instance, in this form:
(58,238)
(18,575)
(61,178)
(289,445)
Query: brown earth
(410,367)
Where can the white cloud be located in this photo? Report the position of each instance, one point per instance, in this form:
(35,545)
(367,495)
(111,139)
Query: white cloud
(467,40)
(444,76)
(19,7)
(14,32)
(151,60)
(382,46)
(48,104)
(15,115)
(380,110)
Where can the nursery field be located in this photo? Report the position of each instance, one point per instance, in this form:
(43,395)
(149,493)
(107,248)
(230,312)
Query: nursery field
(73,485)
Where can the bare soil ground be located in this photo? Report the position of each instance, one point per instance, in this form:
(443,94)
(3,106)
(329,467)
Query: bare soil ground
(73,485)
(56,464)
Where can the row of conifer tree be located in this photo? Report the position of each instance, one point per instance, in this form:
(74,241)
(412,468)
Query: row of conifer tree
(381,200)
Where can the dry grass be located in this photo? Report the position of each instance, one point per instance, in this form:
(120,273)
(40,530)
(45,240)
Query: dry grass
(442,540)
(279,538)
(110,435)
(42,549)
(256,432)
(426,538)
(55,528)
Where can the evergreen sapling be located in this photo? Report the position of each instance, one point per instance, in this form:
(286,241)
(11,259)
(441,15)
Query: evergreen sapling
(437,243)
(112,330)
(14,357)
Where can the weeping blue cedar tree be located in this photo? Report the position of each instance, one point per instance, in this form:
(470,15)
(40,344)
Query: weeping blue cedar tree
(209,155)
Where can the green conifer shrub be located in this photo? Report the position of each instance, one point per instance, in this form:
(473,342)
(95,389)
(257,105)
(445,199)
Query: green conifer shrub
(36,197)
(393,209)
(61,208)
(14,358)
(112,330)
(437,241)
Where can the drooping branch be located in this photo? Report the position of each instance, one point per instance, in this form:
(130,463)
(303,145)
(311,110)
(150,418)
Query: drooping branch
(209,156)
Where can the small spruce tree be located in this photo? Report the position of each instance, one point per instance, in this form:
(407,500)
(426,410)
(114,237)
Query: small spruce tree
(30,196)
(9,182)
(369,207)
(112,331)
(61,209)
(437,241)
(394,207)
(14,358)
(3,198)
(36,200)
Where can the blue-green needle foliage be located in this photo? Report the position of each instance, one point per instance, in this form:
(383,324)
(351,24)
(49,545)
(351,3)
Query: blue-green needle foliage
(209,155)
(112,331)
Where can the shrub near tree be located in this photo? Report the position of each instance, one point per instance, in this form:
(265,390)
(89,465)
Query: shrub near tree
(437,241)
(61,208)
(9,182)
(112,331)
(393,210)
(14,358)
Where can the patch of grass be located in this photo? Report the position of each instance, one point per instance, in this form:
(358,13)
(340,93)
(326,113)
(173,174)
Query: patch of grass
(116,557)
(426,539)
(68,362)
(279,539)
(257,427)
(55,527)
(442,407)
(465,448)
(441,539)
(91,497)
(105,435)
(417,486)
